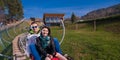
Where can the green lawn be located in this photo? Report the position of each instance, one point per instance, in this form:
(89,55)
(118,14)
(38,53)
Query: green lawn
(86,44)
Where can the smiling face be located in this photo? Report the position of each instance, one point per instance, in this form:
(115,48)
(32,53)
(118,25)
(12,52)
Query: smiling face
(45,32)
(35,27)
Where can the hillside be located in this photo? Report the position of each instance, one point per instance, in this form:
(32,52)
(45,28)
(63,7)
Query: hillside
(103,12)
(85,44)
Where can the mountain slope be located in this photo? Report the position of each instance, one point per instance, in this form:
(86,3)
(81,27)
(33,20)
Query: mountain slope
(104,12)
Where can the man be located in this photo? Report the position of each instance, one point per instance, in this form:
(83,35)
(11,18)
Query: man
(34,32)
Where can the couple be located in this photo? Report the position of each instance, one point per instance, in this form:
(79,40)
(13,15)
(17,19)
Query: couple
(44,46)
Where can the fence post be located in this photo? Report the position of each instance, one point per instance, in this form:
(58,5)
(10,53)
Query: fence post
(94,25)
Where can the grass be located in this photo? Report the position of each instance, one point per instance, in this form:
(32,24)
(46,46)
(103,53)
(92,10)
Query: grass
(86,44)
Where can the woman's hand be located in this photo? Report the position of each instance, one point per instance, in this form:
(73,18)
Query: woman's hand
(50,56)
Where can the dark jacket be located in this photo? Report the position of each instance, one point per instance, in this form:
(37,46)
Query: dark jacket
(50,49)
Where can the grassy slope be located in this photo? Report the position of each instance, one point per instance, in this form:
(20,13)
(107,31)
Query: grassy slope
(85,44)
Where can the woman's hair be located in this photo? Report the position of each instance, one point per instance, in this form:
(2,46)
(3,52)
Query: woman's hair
(49,31)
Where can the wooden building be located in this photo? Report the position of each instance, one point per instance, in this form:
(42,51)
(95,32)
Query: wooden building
(52,19)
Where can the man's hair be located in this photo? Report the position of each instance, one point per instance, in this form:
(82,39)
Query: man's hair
(34,23)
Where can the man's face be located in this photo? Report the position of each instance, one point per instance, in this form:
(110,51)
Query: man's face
(35,28)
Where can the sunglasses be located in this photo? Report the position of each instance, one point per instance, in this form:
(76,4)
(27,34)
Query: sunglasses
(34,27)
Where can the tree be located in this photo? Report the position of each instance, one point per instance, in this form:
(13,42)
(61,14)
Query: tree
(19,9)
(2,13)
(32,19)
(11,9)
(73,18)
(14,8)
(2,4)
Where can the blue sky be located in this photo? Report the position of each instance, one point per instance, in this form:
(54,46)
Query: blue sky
(36,8)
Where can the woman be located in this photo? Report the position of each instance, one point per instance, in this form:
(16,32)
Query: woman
(45,45)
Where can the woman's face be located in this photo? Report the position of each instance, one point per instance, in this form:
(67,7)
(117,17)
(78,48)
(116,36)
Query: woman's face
(45,32)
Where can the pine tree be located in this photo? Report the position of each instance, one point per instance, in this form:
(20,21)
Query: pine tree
(1,4)
(19,9)
(2,14)
(11,9)
(73,18)
(15,9)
